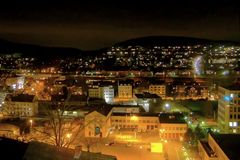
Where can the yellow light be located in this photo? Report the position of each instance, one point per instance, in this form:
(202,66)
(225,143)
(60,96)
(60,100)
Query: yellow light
(69,135)
(134,118)
(156,147)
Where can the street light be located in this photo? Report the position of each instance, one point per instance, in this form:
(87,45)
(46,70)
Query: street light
(68,135)
(31,123)
(167,106)
(134,118)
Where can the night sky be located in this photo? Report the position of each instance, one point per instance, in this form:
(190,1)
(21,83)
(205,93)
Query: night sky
(95,25)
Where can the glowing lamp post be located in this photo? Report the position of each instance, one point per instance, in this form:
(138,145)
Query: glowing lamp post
(167,106)
(68,135)
(31,123)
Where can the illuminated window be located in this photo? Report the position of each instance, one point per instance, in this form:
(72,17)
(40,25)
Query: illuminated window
(234,130)
(235,124)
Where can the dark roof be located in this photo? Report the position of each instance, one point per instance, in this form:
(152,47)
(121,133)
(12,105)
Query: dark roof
(12,149)
(97,156)
(126,106)
(137,114)
(58,98)
(233,87)
(20,98)
(229,143)
(157,82)
(37,150)
(75,98)
(104,109)
(147,95)
(126,82)
(208,149)
(102,83)
(16,150)
(171,118)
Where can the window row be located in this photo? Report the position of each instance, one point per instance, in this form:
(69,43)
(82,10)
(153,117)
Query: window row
(138,121)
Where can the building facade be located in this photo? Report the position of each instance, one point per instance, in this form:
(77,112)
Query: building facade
(158,89)
(219,147)
(125,91)
(104,92)
(107,93)
(138,122)
(98,123)
(94,92)
(172,126)
(22,105)
(229,109)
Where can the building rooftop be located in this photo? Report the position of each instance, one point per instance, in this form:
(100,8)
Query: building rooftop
(20,98)
(233,87)
(147,95)
(73,98)
(58,98)
(136,114)
(171,118)
(104,109)
(126,106)
(12,149)
(229,143)
(102,83)
(16,150)
(157,82)
(208,149)
(46,152)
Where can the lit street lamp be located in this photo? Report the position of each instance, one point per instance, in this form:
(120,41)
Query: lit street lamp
(68,135)
(31,123)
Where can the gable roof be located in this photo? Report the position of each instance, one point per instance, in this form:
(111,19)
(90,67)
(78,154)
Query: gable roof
(104,110)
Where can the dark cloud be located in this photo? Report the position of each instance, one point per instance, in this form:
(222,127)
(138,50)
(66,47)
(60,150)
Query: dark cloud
(98,24)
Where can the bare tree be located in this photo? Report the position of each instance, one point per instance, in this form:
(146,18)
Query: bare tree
(60,128)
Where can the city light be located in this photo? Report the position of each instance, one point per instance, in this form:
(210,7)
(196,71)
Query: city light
(68,135)
(134,118)
(152,97)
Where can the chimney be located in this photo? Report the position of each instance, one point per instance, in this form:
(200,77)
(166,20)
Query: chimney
(78,151)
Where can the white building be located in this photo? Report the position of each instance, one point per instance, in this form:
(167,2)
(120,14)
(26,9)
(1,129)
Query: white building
(15,82)
(107,93)
(104,92)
